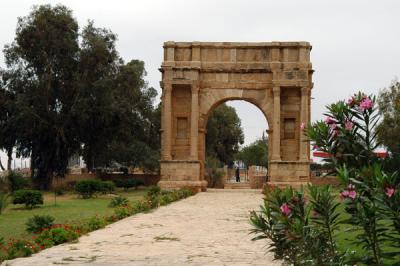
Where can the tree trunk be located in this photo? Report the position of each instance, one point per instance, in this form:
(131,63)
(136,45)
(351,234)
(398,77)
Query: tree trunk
(1,166)
(43,179)
(9,159)
(89,160)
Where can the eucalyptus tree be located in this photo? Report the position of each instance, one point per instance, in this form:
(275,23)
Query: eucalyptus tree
(44,58)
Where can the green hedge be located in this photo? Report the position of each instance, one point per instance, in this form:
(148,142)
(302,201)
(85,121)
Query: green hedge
(88,188)
(128,183)
(31,198)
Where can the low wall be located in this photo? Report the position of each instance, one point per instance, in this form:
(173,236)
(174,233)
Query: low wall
(69,180)
(257,176)
(325,180)
(147,179)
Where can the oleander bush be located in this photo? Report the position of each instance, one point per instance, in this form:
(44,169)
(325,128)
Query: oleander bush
(38,223)
(302,232)
(31,198)
(305,233)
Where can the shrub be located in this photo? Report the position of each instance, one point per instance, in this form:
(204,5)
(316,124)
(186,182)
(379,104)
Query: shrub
(370,193)
(153,191)
(31,198)
(106,187)
(128,183)
(118,201)
(123,211)
(140,206)
(111,218)
(153,195)
(59,191)
(95,223)
(16,181)
(297,236)
(20,248)
(87,188)
(37,223)
(56,235)
(155,198)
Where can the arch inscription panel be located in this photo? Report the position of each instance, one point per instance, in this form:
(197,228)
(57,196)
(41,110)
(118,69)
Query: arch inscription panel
(198,76)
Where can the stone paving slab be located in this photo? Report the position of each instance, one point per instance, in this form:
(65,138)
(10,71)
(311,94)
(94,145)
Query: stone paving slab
(210,228)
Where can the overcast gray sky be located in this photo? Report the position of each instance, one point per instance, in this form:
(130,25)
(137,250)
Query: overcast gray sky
(356,44)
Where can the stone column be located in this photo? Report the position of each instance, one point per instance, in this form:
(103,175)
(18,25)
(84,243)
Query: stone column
(276,129)
(304,118)
(194,123)
(167,90)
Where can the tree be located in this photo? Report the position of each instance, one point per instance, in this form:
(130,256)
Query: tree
(255,153)
(95,107)
(135,139)
(44,59)
(224,134)
(8,136)
(60,96)
(389,127)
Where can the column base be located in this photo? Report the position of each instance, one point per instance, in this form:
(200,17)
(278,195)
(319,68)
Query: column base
(177,174)
(289,173)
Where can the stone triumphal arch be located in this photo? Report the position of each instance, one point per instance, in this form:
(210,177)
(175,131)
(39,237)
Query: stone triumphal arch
(197,76)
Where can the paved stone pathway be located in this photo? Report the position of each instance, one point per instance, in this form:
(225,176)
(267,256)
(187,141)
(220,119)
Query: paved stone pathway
(210,228)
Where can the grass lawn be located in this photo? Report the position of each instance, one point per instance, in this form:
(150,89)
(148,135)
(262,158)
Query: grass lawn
(68,210)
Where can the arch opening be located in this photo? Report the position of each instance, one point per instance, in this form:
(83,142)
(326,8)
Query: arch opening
(236,143)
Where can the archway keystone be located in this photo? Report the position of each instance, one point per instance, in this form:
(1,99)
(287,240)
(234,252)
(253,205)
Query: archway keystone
(198,76)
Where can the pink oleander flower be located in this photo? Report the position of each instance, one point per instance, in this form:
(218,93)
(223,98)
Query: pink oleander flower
(285,209)
(349,192)
(389,191)
(366,104)
(329,120)
(344,194)
(351,101)
(335,133)
(333,126)
(352,194)
(302,125)
(348,125)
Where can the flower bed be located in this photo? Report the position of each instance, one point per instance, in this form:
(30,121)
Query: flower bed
(62,233)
